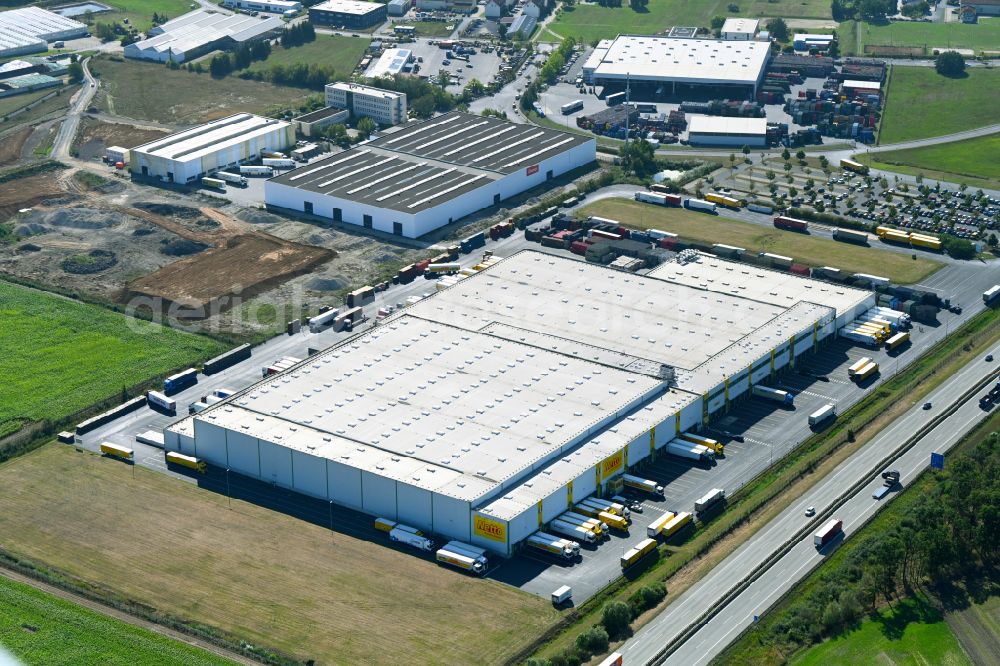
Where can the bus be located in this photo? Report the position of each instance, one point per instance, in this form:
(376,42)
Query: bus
(571,107)
(856,167)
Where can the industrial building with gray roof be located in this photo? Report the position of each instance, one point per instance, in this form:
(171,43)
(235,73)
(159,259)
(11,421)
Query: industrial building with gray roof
(29,29)
(482,411)
(428,174)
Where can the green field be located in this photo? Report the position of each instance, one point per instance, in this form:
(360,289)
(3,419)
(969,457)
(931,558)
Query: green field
(807,249)
(922,103)
(925,638)
(975,162)
(8,104)
(40,628)
(150,91)
(254,573)
(58,356)
(592,22)
(341,53)
(984,36)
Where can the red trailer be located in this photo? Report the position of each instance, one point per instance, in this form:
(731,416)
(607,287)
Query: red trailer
(790,223)
(828,532)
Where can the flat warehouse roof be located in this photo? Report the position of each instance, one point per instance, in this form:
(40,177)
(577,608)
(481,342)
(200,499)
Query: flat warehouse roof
(347,6)
(761,284)
(474,406)
(194,143)
(658,58)
(425,164)
(700,124)
(585,310)
(740,25)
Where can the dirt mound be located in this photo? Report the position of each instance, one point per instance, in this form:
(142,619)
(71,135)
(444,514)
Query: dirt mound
(182,247)
(256,216)
(28,247)
(30,229)
(326,284)
(144,231)
(170,210)
(94,261)
(78,218)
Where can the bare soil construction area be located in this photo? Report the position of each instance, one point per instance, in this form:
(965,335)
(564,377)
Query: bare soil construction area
(95,136)
(246,265)
(11,144)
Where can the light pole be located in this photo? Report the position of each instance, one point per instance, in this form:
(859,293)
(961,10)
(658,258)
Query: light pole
(331,520)
(229,498)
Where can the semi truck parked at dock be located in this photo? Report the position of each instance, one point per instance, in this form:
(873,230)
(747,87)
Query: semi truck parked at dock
(191,462)
(573,531)
(645,485)
(411,538)
(685,449)
(233,178)
(460,561)
(553,545)
(773,394)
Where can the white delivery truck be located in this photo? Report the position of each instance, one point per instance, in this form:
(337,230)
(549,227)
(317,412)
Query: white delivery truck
(233,178)
(278,163)
(562,595)
(409,538)
(825,412)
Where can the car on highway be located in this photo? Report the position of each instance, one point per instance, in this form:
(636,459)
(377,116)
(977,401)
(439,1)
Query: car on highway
(989,358)
(810,512)
(927,405)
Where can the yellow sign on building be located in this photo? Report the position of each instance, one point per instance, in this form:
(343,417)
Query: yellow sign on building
(489,528)
(612,464)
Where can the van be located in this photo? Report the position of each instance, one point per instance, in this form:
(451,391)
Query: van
(562,595)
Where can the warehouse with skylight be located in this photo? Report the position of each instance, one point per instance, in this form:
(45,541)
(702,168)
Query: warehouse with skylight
(482,411)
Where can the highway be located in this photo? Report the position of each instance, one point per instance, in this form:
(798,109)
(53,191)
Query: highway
(724,627)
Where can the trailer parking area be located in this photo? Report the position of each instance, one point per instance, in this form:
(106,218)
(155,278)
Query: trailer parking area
(251,571)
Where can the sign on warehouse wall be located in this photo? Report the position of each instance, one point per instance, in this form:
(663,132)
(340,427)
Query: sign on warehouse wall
(612,464)
(489,528)
(531,171)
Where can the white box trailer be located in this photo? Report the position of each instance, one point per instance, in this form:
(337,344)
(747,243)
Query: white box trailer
(551,545)
(617,508)
(642,484)
(233,178)
(410,539)
(689,450)
(460,561)
(562,595)
(710,498)
(322,321)
(573,516)
(654,528)
(250,170)
(572,531)
(157,399)
(825,412)
(475,552)
(278,163)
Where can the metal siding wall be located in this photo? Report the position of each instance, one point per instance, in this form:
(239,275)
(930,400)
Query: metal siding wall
(763,372)
(803,345)
(523,525)
(310,474)
(738,388)
(276,464)
(717,403)
(414,506)
(210,443)
(690,416)
(585,484)
(554,504)
(345,484)
(638,449)
(244,456)
(378,495)
(171,440)
(451,517)
(186,443)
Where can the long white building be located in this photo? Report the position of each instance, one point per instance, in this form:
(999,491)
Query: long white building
(431,173)
(198,32)
(386,107)
(29,29)
(482,412)
(668,62)
(186,156)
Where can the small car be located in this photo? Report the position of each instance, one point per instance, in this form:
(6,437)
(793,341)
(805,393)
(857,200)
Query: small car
(989,358)
(927,405)
(810,512)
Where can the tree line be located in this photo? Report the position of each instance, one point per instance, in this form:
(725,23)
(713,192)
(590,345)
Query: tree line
(223,64)
(870,10)
(549,72)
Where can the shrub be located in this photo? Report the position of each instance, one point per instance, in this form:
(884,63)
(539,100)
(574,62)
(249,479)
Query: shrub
(594,640)
(616,618)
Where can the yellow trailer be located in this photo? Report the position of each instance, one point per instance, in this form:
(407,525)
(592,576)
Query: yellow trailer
(866,372)
(897,340)
(857,365)
(928,242)
(190,462)
(599,513)
(675,524)
(384,524)
(123,452)
(712,444)
(655,528)
(637,552)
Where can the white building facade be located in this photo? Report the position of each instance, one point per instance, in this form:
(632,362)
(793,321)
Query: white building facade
(386,107)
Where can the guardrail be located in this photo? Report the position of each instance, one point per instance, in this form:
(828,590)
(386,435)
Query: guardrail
(785,547)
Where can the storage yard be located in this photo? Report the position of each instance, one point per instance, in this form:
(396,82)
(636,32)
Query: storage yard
(444,471)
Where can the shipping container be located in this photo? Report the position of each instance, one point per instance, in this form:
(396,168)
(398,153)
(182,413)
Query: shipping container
(180,381)
(230,358)
(897,340)
(848,236)
(642,484)
(636,553)
(191,462)
(790,223)
(758,208)
(654,529)
(828,532)
(116,451)
(710,498)
(825,412)
(157,399)
(361,296)
(698,204)
(777,395)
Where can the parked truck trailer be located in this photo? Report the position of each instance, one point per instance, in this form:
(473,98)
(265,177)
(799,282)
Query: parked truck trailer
(573,531)
(709,499)
(773,394)
(645,485)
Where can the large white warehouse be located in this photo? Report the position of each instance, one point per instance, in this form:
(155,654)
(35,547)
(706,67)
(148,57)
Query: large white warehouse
(29,29)
(198,32)
(431,173)
(481,412)
(664,63)
(186,156)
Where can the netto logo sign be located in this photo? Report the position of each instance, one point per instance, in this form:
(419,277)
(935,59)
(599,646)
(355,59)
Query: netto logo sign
(612,464)
(532,170)
(490,529)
